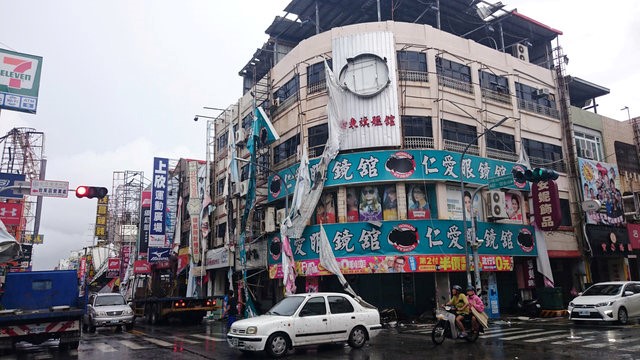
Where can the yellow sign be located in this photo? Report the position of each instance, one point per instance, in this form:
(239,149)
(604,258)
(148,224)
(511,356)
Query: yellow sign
(102,213)
(33,239)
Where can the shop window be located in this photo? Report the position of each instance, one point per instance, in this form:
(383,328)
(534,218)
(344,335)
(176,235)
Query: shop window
(326,209)
(418,203)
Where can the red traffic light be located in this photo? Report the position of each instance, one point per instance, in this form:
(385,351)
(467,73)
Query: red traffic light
(91,192)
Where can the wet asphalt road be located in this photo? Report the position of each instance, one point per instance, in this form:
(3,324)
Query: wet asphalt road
(514,339)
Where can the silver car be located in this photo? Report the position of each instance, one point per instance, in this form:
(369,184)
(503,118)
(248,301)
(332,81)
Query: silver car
(107,309)
(607,301)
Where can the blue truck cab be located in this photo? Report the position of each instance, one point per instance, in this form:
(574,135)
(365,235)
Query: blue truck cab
(38,306)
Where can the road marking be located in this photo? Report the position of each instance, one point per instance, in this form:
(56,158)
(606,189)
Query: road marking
(613,343)
(177,338)
(501,330)
(158,341)
(105,347)
(544,332)
(546,338)
(131,345)
(512,333)
(573,341)
(205,337)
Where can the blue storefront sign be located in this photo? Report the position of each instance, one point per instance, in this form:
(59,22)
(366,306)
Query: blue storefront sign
(409,237)
(157,235)
(392,166)
(7,180)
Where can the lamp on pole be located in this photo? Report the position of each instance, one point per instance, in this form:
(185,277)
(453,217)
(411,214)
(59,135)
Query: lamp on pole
(464,213)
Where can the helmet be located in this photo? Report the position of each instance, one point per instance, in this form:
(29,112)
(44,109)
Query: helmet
(457,288)
(470,288)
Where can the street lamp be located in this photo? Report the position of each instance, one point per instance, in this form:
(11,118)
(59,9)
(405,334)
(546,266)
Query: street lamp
(464,213)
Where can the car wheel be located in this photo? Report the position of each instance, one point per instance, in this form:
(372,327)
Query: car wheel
(92,329)
(129,327)
(277,345)
(437,334)
(623,317)
(358,337)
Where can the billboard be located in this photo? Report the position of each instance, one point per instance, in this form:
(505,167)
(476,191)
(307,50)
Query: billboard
(7,180)
(19,81)
(601,181)
(157,235)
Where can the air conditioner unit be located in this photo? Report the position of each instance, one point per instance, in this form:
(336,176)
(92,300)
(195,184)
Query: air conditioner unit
(542,92)
(244,187)
(240,136)
(276,102)
(280,215)
(269,219)
(496,202)
(521,51)
(587,154)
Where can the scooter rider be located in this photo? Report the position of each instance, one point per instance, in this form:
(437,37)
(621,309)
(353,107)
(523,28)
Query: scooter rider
(461,303)
(475,301)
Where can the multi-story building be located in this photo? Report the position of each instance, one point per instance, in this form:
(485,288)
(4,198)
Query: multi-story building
(423,84)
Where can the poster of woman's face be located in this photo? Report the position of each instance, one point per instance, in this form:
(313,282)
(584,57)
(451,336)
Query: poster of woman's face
(418,202)
(370,203)
(513,205)
(352,205)
(326,210)
(390,203)
(455,208)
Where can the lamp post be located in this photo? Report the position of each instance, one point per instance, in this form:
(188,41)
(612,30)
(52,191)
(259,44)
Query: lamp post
(464,213)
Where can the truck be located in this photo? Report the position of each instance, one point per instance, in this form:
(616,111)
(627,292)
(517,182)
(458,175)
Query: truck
(159,296)
(38,306)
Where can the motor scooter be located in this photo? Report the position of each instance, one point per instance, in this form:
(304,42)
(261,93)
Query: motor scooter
(445,327)
(530,308)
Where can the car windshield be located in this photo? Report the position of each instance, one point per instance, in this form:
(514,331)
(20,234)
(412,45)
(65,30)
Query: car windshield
(287,306)
(602,289)
(109,300)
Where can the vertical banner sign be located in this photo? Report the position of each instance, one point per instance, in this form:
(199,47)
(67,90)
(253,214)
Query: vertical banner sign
(19,81)
(546,205)
(145,220)
(11,213)
(113,267)
(157,234)
(194,205)
(82,268)
(493,305)
(126,255)
(101,218)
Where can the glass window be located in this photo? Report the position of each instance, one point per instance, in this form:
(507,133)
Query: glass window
(500,141)
(247,121)
(223,141)
(418,202)
(316,77)
(318,136)
(41,285)
(565,209)
(326,209)
(220,186)
(461,133)
(287,90)
(627,157)
(453,70)
(543,154)
(340,305)
(390,203)
(315,306)
(286,149)
(493,82)
(412,65)
(352,205)
(417,126)
(221,229)
(530,94)
(588,146)
(244,173)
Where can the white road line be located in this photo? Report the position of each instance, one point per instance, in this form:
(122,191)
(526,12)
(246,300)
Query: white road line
(157,341)
(537,331)
(555,337)
(544,332)
(613,343)
(105,347)
(177,338)
(501,330)
(574,341)
(131,345)
(205,337)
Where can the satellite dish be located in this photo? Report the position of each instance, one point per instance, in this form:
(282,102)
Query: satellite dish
(591,205)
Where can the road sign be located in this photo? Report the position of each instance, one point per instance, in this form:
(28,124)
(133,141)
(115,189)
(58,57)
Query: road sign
(50,188)
(500,182)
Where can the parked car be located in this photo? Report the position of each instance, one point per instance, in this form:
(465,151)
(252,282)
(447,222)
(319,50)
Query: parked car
(607,301)
(107,309)
(307,319)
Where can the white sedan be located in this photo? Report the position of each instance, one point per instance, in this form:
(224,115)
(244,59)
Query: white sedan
(607,301)
(307,319)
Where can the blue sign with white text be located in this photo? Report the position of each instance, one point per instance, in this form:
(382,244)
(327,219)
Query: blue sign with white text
(7,180)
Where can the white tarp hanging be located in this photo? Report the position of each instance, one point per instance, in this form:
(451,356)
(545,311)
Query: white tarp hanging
(9,248)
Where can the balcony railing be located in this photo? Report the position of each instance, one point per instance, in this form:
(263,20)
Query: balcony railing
(502,155)
(544,163)
(538,109)
(459,147)
(418,142)
(455,84)
(409,75)
(316,87)
(501,97)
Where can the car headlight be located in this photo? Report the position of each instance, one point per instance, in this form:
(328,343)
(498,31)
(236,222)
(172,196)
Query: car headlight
(101,313)
(571,304)
(252,330)
(128,311)
(606,303)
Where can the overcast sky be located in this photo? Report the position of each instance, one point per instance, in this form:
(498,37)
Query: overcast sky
(122,81)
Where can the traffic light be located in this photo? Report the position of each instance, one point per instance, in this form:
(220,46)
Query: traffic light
(91,192)
(535,175)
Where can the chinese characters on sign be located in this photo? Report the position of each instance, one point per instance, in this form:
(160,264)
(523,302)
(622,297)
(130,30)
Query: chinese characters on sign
(50,188)
(546,205)
(101,218)
(157,235)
